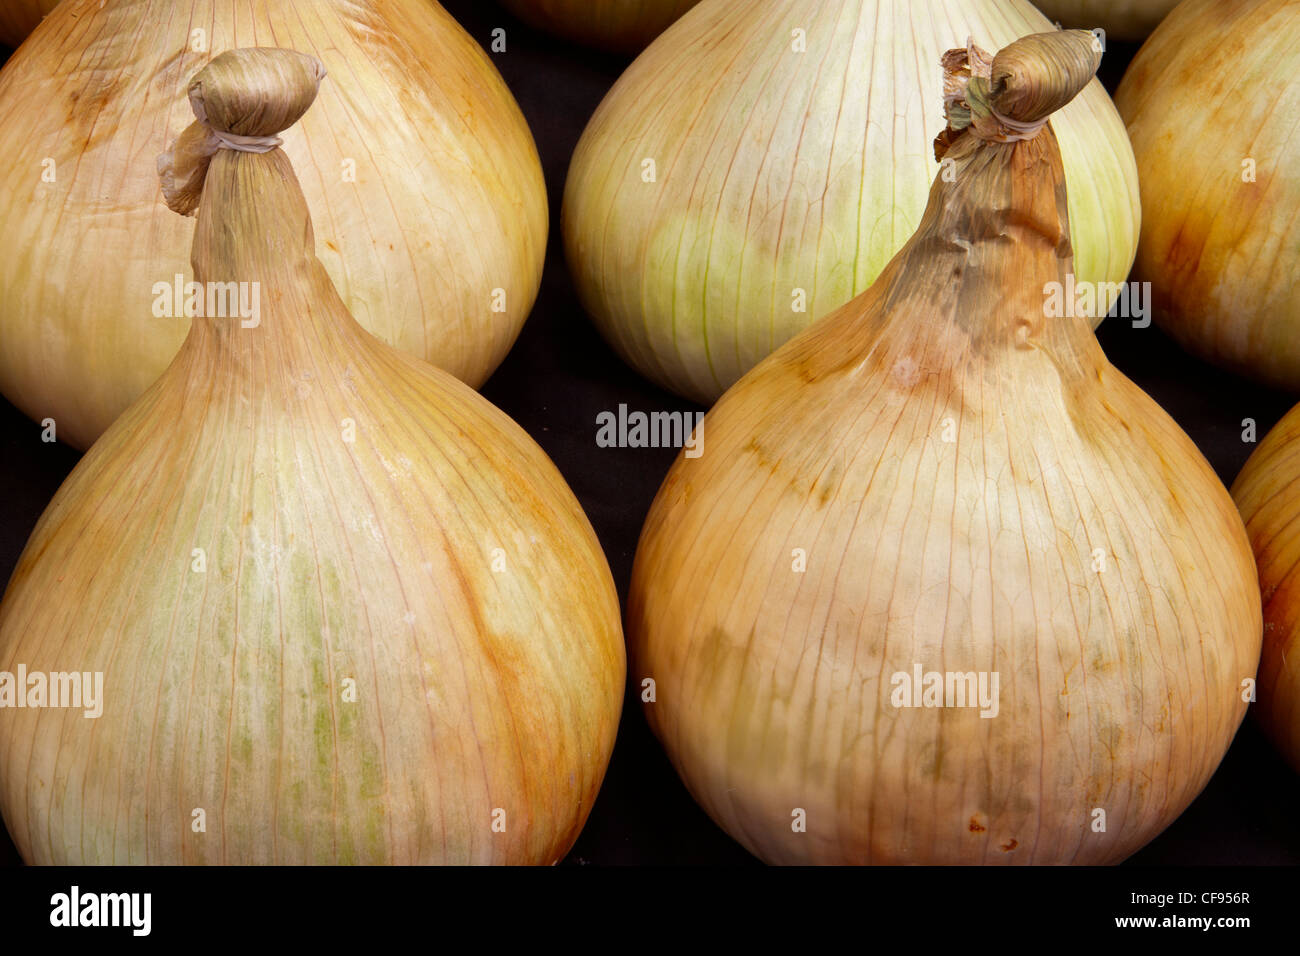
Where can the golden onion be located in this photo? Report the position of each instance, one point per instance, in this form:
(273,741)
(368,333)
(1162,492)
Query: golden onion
(428,189)
(1211,126)
(343,610)
(945,586)
(1121,19)
(1268,493)
(622,25)
(759,164)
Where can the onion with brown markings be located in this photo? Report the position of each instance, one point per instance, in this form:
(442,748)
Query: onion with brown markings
(760,163)
(1268,493)
(1212,111)
(940,478)
(428,191)
(345,610)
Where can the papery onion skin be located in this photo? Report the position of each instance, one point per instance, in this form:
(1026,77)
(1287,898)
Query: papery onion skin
(624,26)
(1268,493)
(1210,103)
(1121,19)
(366,523)
(448,203)
(970,488)
(18,18)
(693,278)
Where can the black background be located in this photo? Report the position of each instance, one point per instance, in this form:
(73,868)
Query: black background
(560,375)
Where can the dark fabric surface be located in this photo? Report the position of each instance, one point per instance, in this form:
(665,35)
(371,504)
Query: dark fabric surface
(560,375)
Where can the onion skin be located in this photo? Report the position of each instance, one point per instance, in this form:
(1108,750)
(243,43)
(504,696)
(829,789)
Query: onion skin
(1120,683)
(449,203)
(18,18)
(477,689)
(1121,19)
(691,279)
(1202,96)
(1268,493)
(624,26)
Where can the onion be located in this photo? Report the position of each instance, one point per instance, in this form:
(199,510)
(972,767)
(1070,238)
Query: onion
(1268,493)
(938,483)
(427,186)
(344,609)
(1212,128)
(784,181)
(19,18)
(1121,19)
(622,25)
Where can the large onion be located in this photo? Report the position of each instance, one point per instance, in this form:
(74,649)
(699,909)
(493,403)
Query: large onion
(623,25)
(1268,493)
(344,609)
(19,18)
(937,479)
(1121,19)
(1213,111)
(444,224)
(784,181)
